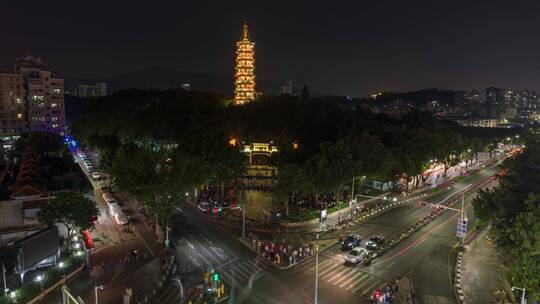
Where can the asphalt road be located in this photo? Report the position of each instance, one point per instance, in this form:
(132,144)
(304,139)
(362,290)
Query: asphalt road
(424,257)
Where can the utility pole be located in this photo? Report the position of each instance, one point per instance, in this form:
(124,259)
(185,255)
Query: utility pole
(315,298)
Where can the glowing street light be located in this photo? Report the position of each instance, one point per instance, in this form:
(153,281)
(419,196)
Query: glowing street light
(39,278)
(61,265)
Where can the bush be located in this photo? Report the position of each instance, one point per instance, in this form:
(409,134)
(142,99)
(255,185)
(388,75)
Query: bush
(28,291)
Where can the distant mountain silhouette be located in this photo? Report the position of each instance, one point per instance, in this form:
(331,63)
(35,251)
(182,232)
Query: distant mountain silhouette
(163,78)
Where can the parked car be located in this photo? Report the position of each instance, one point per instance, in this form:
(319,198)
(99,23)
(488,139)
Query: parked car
(355,256)
(96,175)
(353,240)
(374,242)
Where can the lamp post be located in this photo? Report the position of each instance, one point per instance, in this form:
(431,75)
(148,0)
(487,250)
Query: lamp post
(522,294)
(100,287)
(316,296)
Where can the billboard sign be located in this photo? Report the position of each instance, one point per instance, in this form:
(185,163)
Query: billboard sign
(36,248)
(462,227)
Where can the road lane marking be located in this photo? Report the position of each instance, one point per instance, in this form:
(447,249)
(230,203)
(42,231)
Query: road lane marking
(229,262)
(353,271)
(362,283)
(243,268)
(363,274)
(328,278)
(203,248)
(370,288)
(328,269)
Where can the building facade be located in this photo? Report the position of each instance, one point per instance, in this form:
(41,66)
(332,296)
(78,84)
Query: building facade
(44,97)
(12,106)
(245,69)
(90,91)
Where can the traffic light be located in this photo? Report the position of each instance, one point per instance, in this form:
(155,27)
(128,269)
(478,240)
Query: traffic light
(215,277)
(215,210)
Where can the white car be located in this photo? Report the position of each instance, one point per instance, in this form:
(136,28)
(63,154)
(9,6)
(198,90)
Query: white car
(204,206)
(355,256)
(96,175)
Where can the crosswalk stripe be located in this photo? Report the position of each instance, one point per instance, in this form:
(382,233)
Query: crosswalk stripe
(350,280)
(244,271)
(325,263)
(260,261)
(328,269)
(335,274)
(367,289)
(357,286)
(227,276)
(346,276)
(370,288)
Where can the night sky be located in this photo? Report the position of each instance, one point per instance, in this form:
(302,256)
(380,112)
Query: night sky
(347,48)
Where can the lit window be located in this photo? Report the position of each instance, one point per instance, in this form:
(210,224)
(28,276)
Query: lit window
(19,115)
(18,100)
(55,126)
(54,105)
(54,118)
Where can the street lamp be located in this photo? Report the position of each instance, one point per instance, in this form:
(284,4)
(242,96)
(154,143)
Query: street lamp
(522,293)
(100,287)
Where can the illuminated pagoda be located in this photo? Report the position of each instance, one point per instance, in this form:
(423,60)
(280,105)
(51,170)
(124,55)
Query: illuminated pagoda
(245,66)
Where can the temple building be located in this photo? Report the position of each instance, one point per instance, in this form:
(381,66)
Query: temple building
(245,67)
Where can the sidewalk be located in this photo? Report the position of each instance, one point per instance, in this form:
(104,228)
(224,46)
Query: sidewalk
(482,271)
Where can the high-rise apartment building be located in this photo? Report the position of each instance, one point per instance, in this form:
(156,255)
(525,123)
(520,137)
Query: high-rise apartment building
(91,91)
(12,105)
(44,96)
(245,69)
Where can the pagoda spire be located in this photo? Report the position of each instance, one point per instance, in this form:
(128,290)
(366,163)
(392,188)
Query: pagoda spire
(245,69)
(245,31)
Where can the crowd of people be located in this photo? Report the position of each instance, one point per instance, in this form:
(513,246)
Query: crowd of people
(385,295)
(312,201)
(283,254)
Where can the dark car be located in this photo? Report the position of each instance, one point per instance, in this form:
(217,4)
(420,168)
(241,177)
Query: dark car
(351,241)
(374,242)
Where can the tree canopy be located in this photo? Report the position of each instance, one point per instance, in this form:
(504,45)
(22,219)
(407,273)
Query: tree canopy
(137,131)
(513,210)
(71,209)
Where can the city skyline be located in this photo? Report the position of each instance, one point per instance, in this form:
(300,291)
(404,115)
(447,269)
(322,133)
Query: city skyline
(357,50)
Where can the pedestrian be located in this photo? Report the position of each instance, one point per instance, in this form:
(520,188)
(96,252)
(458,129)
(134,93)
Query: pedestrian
(290,259)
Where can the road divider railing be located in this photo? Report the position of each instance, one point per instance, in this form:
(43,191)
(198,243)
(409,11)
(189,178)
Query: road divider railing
(458,287)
